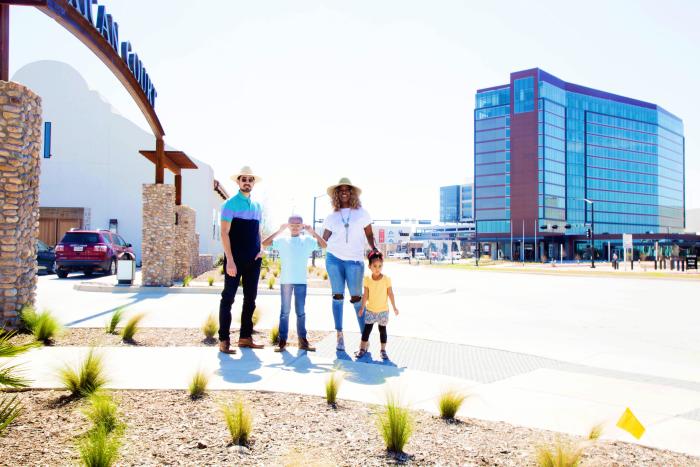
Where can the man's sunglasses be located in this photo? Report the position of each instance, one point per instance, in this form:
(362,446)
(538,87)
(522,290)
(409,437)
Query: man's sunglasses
(247,179)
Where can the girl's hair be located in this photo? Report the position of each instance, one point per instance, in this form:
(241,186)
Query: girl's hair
(375,256)
(354,199)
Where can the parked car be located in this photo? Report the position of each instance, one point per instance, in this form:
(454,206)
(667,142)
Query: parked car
(455,255)
(401,255)
(89,251)
(45,257)
(420,255)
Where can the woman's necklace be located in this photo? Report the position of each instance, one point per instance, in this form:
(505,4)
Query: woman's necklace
(346,223)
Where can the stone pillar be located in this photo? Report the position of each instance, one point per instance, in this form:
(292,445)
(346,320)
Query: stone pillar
(20,144)
(157,246)
(184,242)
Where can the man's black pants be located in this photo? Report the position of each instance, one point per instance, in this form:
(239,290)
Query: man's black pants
(250,273)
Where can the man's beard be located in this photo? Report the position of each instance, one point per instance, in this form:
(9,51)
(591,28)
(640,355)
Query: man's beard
(246,189)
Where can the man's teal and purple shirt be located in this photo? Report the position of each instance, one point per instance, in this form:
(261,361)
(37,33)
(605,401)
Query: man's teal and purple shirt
(244,215)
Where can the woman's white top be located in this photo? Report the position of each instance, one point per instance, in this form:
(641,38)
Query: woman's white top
(347,243)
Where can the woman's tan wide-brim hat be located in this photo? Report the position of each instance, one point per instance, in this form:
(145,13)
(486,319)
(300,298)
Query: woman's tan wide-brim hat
(248,172)
(341,182)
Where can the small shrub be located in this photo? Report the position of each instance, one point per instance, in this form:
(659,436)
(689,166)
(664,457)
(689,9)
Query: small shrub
(310,269)
(210,281)
(276,272)
(263,275)
(98,448)
(239,422)
(198,384)
(219,260)
(87,379)
(450,402)
(115,320)
(395,424)
(131,327)
(275,334)
(257,314)
(210,326)
(332,386)
(325,276)
(560,454)
(43,325)
(596,431)
(102,412)
(10,408)
(271,283)
(186,281)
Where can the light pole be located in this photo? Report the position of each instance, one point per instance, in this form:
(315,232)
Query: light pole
(313,254)
(592,231)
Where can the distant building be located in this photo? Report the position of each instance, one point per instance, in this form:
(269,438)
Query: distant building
(544,149)
(456,203)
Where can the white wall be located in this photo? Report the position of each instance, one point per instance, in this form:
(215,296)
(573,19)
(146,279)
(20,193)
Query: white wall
(95,161)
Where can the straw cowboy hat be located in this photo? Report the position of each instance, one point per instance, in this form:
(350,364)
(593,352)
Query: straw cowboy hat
(248,172)
(341,182)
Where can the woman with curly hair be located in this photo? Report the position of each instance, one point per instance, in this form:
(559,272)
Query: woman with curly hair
(347,230)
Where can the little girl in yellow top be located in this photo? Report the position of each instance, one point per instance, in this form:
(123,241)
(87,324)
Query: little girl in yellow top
(377,293)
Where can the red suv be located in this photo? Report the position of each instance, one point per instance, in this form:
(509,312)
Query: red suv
(91,250)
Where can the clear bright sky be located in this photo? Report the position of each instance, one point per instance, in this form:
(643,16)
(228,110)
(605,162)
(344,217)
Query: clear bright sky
(380,91)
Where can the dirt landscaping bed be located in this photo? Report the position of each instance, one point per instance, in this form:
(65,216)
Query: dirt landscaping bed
(168,428)
(158,337)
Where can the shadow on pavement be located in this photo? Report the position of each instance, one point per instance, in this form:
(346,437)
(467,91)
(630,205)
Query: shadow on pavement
(240,370)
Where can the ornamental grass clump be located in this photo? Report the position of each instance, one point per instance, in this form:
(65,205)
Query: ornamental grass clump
(10,409)
(332,386)
(210,326)
(257,314)
(98,448)
(395,424)
(271,282)
(449,403)
(210,281)
(114,321)
(596,431)
(88,378)
(198,384)
(239,422)
(44,326)
(186,281)
(275,334)
(102,412)
(131,327)
(559,454)
(9,374)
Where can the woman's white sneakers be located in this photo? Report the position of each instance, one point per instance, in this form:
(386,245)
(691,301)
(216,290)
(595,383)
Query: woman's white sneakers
(341,343)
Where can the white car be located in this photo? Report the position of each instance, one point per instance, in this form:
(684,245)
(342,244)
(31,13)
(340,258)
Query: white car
(401,255)
(420,255)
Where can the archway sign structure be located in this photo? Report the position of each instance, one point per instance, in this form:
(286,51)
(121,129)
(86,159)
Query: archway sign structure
(19,154)
(100,33)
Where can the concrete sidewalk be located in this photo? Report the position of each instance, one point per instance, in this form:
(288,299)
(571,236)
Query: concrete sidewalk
(530,393)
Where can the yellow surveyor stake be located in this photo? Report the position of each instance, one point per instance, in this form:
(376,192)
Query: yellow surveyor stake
(630,424)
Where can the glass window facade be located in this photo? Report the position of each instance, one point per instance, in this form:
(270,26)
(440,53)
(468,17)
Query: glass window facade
(627,156)
(467,209)
(450,201)
(491,202)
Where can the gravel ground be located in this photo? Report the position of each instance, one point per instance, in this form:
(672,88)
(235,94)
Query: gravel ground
(159,337)
(167,428)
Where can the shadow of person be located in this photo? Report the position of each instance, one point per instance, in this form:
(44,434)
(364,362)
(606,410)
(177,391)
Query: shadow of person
(239,370)
(300,363)
(367,371)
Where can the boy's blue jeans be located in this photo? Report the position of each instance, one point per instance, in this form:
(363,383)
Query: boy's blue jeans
(299,302)
(342,273)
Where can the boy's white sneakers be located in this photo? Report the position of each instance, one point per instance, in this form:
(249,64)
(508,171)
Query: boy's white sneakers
(341,344)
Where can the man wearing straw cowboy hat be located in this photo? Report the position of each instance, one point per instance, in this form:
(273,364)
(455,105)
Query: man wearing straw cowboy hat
(240,235)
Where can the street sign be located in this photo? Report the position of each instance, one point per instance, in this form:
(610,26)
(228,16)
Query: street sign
(627,241)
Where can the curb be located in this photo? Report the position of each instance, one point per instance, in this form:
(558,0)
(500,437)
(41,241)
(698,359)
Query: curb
(216,290)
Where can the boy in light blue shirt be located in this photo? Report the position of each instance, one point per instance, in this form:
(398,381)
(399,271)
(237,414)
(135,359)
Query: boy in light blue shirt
(294,252)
